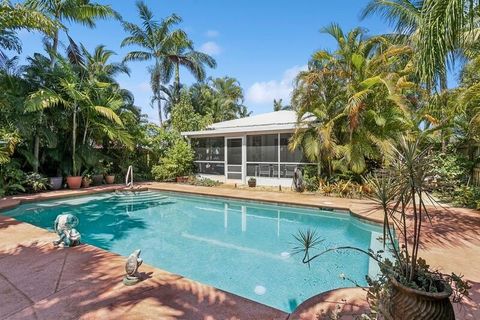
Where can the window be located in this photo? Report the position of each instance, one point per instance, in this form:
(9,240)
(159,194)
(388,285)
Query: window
(262,148)
(209,149)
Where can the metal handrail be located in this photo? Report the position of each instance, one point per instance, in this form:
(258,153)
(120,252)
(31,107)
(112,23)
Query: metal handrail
(129,174)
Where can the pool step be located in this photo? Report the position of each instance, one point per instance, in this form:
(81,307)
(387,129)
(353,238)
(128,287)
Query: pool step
(136,198)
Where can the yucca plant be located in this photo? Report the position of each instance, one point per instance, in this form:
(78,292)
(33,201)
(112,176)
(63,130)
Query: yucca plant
(399,190)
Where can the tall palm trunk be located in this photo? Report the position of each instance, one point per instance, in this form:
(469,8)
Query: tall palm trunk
(36,152)
(443,107)
(159,105)
(74,141)
(54,49)
(177,81)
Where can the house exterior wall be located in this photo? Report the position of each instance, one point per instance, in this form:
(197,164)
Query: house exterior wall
(264,155)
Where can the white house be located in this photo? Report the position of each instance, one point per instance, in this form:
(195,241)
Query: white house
(233,151)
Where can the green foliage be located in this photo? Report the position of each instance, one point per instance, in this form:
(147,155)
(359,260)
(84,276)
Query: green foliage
(35,182)
(184,118)
(465,196)
(451,169)
(177,162)
(11,179)
(203,182)
(311,178)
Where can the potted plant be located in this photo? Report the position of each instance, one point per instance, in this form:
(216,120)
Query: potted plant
(109,176)
(252,182)
(87,180)
(55,182)
(407,287)
(98,171)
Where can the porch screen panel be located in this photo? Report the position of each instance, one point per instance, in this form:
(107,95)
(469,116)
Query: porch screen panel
(209,155)
(209,149)
(262,148)
(286,155)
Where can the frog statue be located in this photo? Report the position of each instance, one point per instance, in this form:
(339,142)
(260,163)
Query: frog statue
(65,228)
(131,268)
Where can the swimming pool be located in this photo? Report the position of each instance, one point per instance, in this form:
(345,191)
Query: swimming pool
(242,247)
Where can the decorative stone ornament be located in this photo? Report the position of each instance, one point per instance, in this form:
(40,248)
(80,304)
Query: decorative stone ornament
(65,228)
(131,268)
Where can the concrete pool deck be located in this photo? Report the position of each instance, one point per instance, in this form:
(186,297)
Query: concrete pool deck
(38,281)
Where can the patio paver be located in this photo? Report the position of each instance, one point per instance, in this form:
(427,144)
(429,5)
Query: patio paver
(39,281)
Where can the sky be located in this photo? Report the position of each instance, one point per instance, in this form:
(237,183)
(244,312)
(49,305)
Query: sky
(261,43)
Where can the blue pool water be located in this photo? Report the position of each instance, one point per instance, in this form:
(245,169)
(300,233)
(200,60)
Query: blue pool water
(239,246)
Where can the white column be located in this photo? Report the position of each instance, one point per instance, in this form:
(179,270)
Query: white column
(244,159)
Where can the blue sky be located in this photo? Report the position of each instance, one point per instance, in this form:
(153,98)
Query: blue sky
(262,43)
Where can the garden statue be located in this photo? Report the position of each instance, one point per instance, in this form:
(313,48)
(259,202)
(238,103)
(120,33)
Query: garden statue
(131,267)
(298,183)
(65,227)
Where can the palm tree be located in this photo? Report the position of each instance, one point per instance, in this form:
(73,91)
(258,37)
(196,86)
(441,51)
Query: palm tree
(278,105)
(18,16)
(361,106)
(153,38)
(228,99)
(79,11)
(180,52)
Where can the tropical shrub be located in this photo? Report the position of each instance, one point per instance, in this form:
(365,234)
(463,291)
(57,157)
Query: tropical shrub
(35,182)
(450,169)
(177,162)
(11,179)
(203,182)
(311,178)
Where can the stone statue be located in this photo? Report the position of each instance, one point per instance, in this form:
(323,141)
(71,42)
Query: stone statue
(298,183)
(65,227)
(131,267)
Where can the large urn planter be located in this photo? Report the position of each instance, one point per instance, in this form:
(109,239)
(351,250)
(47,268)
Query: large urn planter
(407,303)
(97,179)
(74,182)
(110,179)
(55,182)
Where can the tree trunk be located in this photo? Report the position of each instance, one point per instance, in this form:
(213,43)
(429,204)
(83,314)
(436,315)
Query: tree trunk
(177,78)
(53,57)
(443,108)
(74,141)
(36,153)
(159,105)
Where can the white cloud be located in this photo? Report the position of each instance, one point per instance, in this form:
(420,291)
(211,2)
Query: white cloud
(211,48)
(212,33)
(265,91)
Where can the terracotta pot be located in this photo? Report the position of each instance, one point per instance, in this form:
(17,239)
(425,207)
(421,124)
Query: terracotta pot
(407,303)
(97,179)
(74,182)
(109,179)
(252,184)
(183,179)
(85,183)
(55,183)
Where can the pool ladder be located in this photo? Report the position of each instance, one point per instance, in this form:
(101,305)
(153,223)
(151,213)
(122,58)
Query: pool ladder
(129,175)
